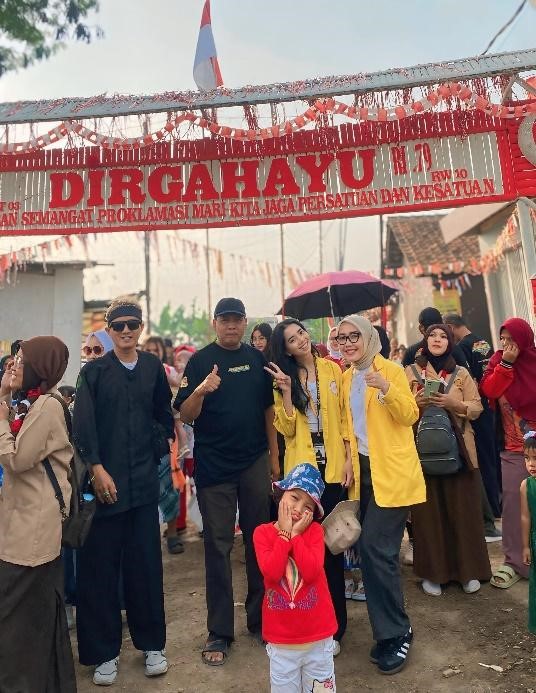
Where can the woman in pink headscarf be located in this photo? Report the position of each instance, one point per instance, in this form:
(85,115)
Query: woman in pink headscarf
(509,383)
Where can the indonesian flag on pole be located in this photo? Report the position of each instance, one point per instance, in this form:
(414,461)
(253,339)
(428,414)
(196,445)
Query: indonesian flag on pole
(207,73)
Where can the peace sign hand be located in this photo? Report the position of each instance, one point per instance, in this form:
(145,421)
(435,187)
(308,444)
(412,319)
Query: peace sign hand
(282,380)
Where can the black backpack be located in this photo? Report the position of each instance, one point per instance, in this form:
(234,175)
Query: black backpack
(436,442)
(76,521)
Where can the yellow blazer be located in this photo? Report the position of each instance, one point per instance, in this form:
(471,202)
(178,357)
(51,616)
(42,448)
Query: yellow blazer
(396,472)
(295,428)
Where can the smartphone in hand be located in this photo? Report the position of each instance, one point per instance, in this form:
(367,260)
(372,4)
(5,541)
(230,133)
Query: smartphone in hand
(431,387)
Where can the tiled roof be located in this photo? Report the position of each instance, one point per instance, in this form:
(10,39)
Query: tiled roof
(420,240)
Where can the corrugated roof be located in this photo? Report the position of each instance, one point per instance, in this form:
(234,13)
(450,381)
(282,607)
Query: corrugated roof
(420,240)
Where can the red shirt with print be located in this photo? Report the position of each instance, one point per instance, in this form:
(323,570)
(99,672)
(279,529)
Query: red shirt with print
(297,606)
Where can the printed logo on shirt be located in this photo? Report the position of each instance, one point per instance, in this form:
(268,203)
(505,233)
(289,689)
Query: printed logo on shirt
(481,347)
(333,387)
(278,602)
(184,382)
(239,369)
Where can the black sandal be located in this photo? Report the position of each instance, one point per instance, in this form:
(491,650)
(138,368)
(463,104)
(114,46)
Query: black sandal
(215,644)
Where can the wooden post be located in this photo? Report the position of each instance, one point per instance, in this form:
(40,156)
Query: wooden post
(147,256)
(282,256)
(209,285)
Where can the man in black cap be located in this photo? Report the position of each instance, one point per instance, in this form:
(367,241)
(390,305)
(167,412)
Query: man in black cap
(228,394)
(428,317)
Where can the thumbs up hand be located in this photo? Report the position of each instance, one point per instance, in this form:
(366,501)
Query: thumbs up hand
(211,383)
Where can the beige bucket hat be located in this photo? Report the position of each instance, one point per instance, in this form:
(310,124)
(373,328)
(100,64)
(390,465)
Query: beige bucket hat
(341,527)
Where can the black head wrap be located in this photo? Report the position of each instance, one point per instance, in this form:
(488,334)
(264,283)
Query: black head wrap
(124,310)
(446,361)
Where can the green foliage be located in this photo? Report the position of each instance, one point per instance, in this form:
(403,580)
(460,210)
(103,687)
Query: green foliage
(33,30)
(318,328)
(193,326)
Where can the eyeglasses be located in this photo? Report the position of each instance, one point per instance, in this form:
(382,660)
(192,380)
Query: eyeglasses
(119,325)
(353,338)
(97,350)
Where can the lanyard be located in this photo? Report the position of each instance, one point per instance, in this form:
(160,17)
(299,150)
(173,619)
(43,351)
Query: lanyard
(316,411)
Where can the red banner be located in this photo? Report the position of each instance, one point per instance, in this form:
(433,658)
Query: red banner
(426,162)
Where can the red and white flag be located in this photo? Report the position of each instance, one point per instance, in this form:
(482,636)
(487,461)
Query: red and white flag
(207,73)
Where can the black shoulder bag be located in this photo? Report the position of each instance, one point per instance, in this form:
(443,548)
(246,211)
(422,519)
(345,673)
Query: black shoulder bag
(76,521)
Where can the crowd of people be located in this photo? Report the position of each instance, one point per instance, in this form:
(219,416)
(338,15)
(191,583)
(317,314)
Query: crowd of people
(437,440)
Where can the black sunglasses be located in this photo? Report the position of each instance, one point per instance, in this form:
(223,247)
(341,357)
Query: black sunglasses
(119,325)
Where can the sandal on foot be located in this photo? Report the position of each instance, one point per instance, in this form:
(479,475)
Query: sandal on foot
(504,577)
(215,644)
(174,545)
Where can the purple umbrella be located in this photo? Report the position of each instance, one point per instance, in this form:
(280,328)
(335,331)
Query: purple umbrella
(335,294)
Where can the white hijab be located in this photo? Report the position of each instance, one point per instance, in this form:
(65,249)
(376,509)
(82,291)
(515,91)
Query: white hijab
(370,337)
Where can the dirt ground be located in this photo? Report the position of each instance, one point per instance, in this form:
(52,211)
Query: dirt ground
(455,632)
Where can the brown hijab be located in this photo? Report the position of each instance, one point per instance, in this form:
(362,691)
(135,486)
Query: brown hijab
(45,362)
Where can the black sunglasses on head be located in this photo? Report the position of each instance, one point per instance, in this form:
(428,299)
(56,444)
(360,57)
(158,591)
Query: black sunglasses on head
(119,325)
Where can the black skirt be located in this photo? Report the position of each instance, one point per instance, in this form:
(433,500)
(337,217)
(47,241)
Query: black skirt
(35,649)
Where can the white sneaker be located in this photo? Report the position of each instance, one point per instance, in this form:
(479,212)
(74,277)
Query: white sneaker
(155,663)
(471,587)
(348,588)
(431,588)
(336,648)
(106,673)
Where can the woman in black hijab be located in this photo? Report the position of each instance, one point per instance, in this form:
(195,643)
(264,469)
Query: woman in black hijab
(448,529)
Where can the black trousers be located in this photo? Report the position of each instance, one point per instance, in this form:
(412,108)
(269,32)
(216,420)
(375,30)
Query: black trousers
(251,490)
(334,565)
(382,530)
(489,460)
(131,541)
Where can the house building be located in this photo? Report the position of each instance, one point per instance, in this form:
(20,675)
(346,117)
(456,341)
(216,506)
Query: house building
(432,273)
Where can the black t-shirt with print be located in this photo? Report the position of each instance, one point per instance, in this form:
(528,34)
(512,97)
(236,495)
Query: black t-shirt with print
(230,431)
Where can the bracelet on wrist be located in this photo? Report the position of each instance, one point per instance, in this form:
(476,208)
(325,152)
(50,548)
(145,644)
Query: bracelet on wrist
(284,534)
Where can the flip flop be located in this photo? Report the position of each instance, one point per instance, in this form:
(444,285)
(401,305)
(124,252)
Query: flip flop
(215,644)
(504,577)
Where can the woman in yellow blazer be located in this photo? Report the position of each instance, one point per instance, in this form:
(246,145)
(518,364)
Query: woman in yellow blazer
(381,411)
(309,413)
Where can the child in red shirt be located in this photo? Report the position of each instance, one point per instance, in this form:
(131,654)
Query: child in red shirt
(298,619)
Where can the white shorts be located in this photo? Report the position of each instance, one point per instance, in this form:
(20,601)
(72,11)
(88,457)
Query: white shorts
(302,671)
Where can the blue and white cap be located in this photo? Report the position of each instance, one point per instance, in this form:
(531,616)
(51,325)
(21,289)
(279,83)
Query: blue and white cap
(308,479)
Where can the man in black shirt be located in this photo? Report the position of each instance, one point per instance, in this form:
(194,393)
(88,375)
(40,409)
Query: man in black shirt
(478,352)
(428,317)
(121,399)
(228,395)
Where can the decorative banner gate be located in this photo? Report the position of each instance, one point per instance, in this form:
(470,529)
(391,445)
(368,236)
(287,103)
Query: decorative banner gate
(439,160)
(396,158)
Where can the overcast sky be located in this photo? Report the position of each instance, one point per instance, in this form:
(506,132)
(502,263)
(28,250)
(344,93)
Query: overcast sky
(149,46)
